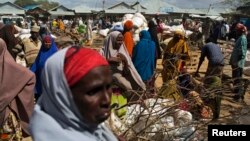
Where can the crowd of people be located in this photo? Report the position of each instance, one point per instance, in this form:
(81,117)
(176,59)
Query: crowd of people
(74,89)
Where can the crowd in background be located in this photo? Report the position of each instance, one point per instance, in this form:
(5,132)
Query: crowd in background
(74,87)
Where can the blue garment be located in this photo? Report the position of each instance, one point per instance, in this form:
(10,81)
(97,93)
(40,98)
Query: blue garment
(38,65)
(213,53)
(144,56)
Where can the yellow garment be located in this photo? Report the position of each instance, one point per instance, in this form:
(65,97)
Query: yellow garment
(178,48)
(54,23)
(61,25)
(173,60)
(169,91)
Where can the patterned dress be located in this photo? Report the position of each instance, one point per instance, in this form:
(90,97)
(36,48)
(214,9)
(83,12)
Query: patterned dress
(11,129)
(31,49)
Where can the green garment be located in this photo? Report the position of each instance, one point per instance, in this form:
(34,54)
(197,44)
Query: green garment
(82,28)
(120,100)
(239,52)
(213,86)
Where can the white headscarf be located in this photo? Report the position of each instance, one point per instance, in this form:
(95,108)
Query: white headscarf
(56,116)
(108,51)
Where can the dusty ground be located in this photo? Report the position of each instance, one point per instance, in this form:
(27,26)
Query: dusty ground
(231,112)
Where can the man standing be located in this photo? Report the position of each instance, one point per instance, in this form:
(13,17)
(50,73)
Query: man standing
(32,45)
(215,57)
(206,29)
(89,31)
(237,61)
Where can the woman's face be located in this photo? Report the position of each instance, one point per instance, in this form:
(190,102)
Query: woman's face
(92,95)
(177,37)
(119,41)
(47,44)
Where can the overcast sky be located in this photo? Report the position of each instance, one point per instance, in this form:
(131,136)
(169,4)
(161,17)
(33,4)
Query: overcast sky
(108,3)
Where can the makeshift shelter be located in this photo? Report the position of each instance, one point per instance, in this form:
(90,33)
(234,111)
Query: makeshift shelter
(61,11)
(120,9)
(139,7)
(244,9)
(216,18)
(9,8)
(85,11)
(38,13)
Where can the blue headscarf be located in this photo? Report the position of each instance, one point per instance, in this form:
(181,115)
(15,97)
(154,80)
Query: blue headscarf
(144,56)
(117,28)
(38,65)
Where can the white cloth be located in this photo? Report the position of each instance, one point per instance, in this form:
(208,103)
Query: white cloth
(108,51)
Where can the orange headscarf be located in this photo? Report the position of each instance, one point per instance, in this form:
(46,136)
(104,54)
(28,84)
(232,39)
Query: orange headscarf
(128,36)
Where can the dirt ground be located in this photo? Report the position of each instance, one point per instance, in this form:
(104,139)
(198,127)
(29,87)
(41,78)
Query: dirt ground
(232,112)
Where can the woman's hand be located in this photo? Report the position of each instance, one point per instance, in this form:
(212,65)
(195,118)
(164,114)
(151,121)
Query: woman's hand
(114,60)
(123,59)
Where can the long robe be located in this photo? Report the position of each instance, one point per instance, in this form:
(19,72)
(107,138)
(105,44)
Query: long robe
(144,56)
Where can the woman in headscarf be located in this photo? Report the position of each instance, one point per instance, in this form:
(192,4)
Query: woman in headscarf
(175,56)
(144,57)
(48,49)
(16,97)
(7,34)
(128,36)
(61,25)
(114,50)
(76,98)
(152,28)
(125,76)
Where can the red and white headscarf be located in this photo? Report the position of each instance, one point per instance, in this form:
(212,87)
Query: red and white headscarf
(47,39)
(240,27)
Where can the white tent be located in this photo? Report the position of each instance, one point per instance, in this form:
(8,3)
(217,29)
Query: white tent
(217,18)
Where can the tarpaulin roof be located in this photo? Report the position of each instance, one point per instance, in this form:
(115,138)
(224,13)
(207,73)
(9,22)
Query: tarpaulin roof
(11,8)
(61,10)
